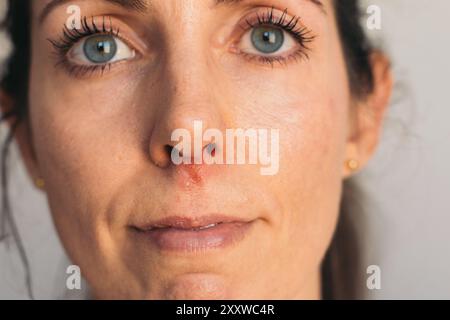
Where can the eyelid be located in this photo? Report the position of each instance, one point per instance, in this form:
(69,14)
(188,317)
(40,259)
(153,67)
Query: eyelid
(272,16)
(101,25)
(257,14)
(279,18)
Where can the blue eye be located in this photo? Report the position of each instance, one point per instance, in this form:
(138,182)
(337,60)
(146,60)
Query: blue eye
(267,39)
(100,48)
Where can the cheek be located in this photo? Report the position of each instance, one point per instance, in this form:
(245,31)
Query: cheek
(86,137)
(312,118)
(82,128)
(312,165)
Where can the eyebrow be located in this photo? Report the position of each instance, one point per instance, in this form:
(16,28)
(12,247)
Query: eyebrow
(319,3)
(135,5)
(140,5)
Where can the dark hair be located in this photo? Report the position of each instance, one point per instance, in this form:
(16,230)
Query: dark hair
(341,261)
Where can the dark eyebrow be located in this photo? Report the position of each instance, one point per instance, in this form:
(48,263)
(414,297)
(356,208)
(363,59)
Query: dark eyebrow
(136,5)
(140,5)
(233,2)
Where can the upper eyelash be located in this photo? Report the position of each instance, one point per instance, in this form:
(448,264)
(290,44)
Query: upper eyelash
(301,34)
(71,36)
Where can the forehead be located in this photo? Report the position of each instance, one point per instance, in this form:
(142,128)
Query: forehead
(41,8)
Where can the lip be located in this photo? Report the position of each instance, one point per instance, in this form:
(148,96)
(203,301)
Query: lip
(185,234)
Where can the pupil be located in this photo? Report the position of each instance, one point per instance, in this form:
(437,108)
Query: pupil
(269,37)
(104,47)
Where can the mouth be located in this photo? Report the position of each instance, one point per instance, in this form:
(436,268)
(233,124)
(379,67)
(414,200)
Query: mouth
(184,234)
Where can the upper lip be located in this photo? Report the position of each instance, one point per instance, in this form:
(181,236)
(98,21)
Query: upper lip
(183,222)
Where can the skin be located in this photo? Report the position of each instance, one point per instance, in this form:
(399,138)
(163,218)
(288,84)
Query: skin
(99,143)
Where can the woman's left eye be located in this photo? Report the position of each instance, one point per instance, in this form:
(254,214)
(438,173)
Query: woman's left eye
(267,41)
(99,50)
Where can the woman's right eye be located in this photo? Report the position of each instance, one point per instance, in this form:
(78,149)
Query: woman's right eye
(100,49)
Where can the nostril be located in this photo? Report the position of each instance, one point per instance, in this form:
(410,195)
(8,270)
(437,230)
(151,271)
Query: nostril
(168,149)
(174,154)
(211,149)
(171,155)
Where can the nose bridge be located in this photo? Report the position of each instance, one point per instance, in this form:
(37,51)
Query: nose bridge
(189,83)
(190,92)
(189,95)
(188,68)
(188,65)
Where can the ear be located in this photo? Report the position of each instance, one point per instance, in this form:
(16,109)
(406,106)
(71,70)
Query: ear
(367,117)
(22,135)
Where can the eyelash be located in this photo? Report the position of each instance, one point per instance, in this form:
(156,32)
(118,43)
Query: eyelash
(70,37)
(301,34)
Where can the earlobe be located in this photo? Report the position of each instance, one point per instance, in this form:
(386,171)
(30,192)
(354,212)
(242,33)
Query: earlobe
(369,115)
(352,163)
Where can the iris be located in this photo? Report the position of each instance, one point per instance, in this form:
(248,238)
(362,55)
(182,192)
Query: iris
(267,39)
(100,48)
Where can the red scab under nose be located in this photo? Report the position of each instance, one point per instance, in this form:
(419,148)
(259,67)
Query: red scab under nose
(189,175)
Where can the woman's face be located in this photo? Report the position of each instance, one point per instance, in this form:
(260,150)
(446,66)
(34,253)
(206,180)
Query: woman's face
(102,112)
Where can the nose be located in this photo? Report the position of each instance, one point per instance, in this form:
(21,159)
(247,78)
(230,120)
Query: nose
(189,103)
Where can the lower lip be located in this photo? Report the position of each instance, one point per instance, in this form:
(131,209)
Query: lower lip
(219,236)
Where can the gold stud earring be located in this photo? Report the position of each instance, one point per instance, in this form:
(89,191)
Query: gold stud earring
(39,183)
(353,164)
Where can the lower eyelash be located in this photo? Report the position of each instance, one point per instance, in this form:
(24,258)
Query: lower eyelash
(272,60)
(70,37)
(83,70)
